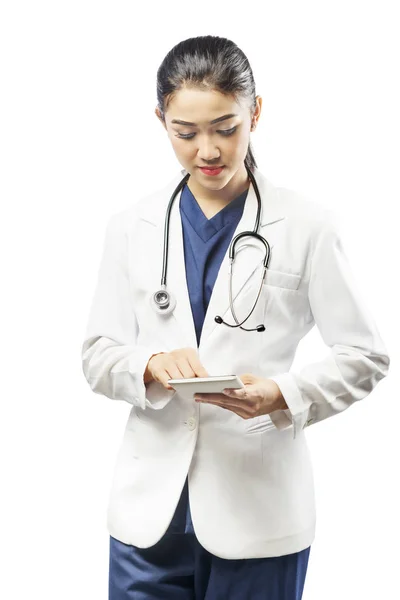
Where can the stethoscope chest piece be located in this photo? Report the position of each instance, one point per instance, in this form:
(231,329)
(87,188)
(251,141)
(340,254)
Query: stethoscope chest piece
(162,301)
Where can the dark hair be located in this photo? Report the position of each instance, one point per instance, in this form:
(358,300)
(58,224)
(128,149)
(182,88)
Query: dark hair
(207,62)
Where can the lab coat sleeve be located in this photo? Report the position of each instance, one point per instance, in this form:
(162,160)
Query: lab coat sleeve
(357,359)
(112,360)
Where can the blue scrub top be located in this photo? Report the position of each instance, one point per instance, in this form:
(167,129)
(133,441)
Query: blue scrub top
(205,244)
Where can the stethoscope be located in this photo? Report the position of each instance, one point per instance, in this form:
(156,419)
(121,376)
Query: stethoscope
(164,302)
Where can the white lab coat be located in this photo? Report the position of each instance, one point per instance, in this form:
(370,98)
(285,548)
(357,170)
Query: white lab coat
(251,485)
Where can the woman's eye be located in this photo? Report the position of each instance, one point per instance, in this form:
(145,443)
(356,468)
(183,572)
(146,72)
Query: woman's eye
(227,131)
(185,137)
(224,132)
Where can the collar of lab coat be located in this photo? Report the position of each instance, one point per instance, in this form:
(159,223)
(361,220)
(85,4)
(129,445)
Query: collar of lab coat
(153,208)
(272,207)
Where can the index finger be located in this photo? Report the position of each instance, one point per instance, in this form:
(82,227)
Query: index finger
(196,365)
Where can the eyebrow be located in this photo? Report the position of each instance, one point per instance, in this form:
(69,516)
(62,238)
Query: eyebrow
(223,118)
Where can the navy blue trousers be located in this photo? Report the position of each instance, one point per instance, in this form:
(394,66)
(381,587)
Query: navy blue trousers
(179,568)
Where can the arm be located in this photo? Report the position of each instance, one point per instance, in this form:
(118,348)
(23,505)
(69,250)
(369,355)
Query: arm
(358,358)
(112,361)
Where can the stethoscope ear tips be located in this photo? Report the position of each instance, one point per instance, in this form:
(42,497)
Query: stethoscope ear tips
(219,319)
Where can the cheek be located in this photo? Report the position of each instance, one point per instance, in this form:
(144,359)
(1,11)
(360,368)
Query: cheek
(176,144)
(182,148)
(238,146)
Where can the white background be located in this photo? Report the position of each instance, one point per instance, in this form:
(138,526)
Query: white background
(79,141)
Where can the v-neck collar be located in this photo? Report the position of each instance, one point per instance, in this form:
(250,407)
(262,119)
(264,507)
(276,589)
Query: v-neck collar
(207,228)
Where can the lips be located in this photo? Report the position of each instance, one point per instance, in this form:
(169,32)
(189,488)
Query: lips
(211,170)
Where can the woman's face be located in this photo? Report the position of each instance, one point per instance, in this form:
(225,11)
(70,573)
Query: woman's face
(203,143)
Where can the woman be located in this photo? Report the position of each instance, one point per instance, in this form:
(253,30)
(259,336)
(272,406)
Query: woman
(242,454)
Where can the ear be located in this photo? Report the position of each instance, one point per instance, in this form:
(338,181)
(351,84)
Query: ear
(158,114)
(257,111)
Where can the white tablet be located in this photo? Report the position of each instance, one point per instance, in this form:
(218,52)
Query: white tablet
(206,385)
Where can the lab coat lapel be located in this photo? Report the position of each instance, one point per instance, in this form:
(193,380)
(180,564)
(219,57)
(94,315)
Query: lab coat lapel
(176,278)
(249,253)
(176,329)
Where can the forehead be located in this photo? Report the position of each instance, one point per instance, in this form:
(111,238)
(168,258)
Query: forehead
(198,106)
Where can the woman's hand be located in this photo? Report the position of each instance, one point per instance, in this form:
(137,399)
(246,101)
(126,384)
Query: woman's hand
(260,396)
(178,364)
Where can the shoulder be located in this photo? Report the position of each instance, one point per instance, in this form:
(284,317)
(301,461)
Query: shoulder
(148,206)
(300,210)
(309,213)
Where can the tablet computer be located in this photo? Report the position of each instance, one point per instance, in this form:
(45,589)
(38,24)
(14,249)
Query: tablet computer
(206,385)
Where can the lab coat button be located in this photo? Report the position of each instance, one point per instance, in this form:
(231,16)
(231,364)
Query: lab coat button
(191,423)
(309,421)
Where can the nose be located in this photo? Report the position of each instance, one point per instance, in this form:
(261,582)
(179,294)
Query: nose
(207,150)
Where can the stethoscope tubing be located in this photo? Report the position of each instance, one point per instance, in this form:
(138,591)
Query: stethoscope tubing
(162,298)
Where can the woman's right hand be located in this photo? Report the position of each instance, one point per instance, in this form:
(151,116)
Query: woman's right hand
(178,364)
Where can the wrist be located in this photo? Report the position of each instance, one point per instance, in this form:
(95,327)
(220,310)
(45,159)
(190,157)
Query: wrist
(279,402)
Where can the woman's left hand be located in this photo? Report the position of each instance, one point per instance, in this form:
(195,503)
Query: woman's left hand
(260,396)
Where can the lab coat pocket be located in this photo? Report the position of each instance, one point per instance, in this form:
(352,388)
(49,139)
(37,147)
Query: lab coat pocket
(286,306)
(279,287)
(282,279)
(259,424)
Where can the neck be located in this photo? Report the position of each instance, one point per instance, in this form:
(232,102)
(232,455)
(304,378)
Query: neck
(212,201)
